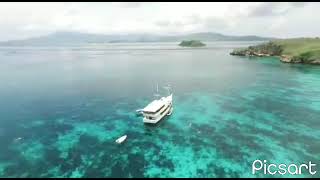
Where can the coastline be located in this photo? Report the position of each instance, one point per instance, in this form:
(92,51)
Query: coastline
(277,49)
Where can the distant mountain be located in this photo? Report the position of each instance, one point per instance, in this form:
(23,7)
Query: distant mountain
(208,36)
(69,38)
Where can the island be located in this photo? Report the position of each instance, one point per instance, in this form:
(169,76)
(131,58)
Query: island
(298,50)
(192,43)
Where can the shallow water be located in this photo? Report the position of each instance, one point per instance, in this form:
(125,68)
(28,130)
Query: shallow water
(62,108)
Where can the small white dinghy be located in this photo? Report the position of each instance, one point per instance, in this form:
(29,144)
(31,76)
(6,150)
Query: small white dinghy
(18,139)
(121,139)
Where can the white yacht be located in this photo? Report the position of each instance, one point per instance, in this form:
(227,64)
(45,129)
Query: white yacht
(157,109)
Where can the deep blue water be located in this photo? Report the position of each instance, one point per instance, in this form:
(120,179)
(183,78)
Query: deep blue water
(62,108)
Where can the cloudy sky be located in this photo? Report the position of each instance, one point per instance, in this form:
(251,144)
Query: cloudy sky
(22,20)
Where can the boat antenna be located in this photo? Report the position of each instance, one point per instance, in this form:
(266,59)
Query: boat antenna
(168,88)
(157,94)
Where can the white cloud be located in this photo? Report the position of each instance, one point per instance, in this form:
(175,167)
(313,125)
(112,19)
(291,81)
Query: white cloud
(274,8)
(21,20)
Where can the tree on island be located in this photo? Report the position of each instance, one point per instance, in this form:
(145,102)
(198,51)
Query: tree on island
(192,43)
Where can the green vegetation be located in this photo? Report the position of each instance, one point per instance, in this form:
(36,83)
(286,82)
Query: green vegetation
(192,43)
(298,46)
(265,49)
(312,57)
(299,50)
(270,48)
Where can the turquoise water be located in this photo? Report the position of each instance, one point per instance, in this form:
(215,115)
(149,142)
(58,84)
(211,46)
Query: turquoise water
(62,108)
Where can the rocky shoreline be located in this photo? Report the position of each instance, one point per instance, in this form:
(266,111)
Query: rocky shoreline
(298,60)
(274,50)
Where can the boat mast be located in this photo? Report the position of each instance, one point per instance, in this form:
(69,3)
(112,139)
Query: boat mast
(168,89)
(157,94)
(157,88)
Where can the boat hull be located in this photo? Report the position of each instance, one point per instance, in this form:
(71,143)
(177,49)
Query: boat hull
(121,139)
(154,121)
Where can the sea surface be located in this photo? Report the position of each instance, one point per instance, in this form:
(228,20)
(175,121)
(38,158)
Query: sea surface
(62,108)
